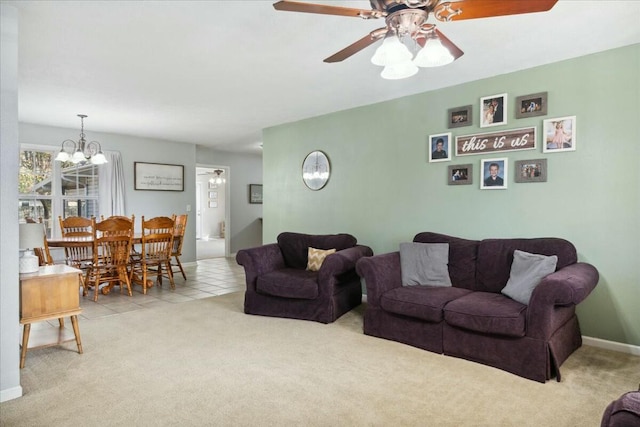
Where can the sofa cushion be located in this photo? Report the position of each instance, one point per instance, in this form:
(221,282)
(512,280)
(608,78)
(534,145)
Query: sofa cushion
(495,257)
(289,283)
(462,257)
(316,258)
(623,412)
(488,313)
(424,264)
(527,271)
(422,302)
(294,246)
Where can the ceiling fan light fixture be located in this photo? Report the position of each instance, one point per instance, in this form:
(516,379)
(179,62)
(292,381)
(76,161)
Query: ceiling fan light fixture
(391,52)
(399,71)
(433,54)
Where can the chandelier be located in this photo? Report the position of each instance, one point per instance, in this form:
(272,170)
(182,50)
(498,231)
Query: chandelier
(218,179)
(395,56)
(81,151)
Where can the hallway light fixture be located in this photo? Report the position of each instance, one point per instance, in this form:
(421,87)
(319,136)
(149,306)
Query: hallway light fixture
(81,151)
(218,179)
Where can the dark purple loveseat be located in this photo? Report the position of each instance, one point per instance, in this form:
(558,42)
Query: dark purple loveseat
(279,285)
(472,319)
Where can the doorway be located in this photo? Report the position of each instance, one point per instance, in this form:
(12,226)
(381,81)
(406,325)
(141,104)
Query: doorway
(212,210)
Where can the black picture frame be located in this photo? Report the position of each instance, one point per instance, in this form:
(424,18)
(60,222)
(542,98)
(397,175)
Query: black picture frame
(255,193)
(158,176)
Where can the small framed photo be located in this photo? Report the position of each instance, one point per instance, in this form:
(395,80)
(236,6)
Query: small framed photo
(534,170)
(440,147)
(493,174)
(459,117)
(213,203)
(255,193)
(460,174)
(212,186)
(492,110)
(559,134)
(531,105)
(213,195)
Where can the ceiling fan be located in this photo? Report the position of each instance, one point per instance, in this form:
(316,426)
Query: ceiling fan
(408,19)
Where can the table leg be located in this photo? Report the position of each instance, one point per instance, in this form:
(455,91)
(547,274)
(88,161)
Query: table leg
(25,343)
(76,331)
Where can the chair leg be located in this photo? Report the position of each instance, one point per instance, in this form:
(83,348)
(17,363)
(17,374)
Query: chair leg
(180,266)
(124,277)
(170,274)
(97,287)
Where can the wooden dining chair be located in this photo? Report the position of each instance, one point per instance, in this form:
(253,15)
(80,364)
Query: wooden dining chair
(155,252)
(79,256)
(43,254)
(178,238)
(112,239)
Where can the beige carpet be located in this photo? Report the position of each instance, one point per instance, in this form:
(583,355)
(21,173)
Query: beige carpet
(205,362)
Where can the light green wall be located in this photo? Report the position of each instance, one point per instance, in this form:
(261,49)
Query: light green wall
(384,191)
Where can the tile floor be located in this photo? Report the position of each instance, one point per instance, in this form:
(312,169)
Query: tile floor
(205,278)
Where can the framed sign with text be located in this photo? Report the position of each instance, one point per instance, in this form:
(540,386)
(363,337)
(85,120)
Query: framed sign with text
(492,142)
(158,176)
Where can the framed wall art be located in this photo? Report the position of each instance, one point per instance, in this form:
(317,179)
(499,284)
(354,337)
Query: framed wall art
(213,203)
(158,176)
(440,147)
(534,170)
(255,193)
(559,134)
(493,174)
(531,105)
(213,195)
(493,110)
(460,174)
(460,116)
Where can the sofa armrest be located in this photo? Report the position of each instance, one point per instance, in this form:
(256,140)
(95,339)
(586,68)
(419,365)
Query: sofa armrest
(258,261)
(566,287)
(342,261)
(381,273)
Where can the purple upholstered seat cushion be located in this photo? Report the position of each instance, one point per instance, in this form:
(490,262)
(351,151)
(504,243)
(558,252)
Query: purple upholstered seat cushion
(495,257)
(289,283)
(422,302)
(295,246)
(488,313)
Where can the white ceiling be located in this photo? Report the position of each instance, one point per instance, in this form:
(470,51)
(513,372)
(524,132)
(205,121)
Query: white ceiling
(217,72)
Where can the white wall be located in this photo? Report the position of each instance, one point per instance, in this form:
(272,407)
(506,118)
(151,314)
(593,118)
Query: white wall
(9,292)
(136,149)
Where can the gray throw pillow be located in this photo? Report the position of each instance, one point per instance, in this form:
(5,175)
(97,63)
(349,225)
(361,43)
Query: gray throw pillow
(527,271)
(424,264)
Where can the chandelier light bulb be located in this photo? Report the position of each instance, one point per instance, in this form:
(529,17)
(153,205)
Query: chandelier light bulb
(391,52)
(433,54)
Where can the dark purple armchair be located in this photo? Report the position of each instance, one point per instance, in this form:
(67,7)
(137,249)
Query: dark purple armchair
(279,285)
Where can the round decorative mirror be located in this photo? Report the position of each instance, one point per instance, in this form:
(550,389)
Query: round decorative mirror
(316,170)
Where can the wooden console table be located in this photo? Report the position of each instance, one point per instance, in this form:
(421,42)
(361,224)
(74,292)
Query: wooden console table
(53,292)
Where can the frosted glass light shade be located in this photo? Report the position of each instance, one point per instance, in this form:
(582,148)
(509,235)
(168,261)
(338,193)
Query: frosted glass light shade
(391,52)
(62,156)
(433,54)
(78,157)
(399,71)
(99,159)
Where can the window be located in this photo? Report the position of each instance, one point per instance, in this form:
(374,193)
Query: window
(48,189)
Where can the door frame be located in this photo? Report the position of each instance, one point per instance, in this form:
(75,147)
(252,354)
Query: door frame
(227,204)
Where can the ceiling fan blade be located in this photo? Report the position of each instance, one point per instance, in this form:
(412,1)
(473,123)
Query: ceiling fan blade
(455,50)
(356,47)
(472,9)
(294,6)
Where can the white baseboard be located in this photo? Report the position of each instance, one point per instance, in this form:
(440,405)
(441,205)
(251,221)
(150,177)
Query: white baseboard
(10,393)
(612,345)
